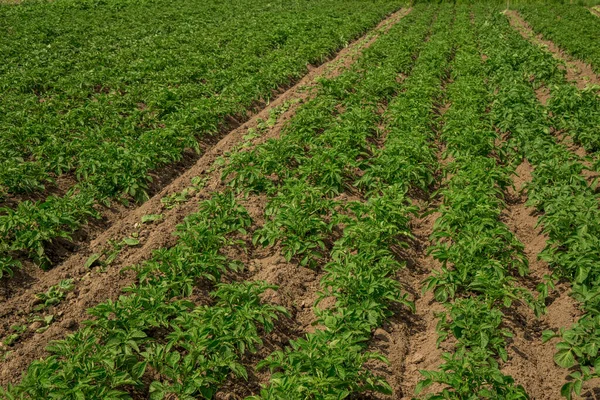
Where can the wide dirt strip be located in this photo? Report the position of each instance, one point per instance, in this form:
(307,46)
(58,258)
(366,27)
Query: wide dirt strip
(530,362)
(93,286)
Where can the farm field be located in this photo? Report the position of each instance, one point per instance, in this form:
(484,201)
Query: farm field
(577,33)
(299,200)
(90,111)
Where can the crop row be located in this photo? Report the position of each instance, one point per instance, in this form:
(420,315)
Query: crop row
(573,28)
(105,99)
(325,144)
(573,111)
(407,158)
(479,255)
(127,337)
(337,185)
(360,264)
(568,204)
(189,350)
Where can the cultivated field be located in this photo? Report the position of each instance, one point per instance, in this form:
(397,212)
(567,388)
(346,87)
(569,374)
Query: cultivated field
(299,200)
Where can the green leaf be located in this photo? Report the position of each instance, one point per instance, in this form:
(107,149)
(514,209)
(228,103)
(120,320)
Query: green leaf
(597,365)
(207,392)
(578,385)
(582,274)
(565,358)
(91,260)
(422,385)
(131,241)
(151,218)
(567,390)
(547,335)
(138,369)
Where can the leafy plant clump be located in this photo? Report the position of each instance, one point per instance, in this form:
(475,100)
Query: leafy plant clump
(109,118)
(566,202)
(55,294)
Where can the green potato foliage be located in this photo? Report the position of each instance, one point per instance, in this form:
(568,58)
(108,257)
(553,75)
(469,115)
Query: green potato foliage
(572,28)
(368,133)
(155,324)
(479,254)
(107,92)
(568,205)
(55,294)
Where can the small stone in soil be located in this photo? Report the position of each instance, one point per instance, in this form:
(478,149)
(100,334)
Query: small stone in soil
(70,324)
(34,326)
(418,358)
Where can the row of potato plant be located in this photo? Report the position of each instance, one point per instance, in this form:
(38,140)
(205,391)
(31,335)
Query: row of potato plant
(156,332)
(573,111)
(324,146)
(408,154)
(360,264)
(479,255)
(573,28)
(368,240)
(576,113)
(569,205)
(107,99)
(193,349)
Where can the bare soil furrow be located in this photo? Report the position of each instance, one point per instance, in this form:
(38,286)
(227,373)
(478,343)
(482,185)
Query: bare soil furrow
(408,340)
(297,291)
(420,328)
(530,361)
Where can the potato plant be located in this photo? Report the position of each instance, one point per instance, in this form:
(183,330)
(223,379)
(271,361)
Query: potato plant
(479,255)
(106,99)
(338,187)
(567,203)
(573,28)
(360,273)
(114,349)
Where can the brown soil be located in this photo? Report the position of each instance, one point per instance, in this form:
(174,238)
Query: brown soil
(577,71)
(297,290)
(94,286)
(422,351)
(408,340)
(419,329)
(531,361)
(595,10)
(543,94)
